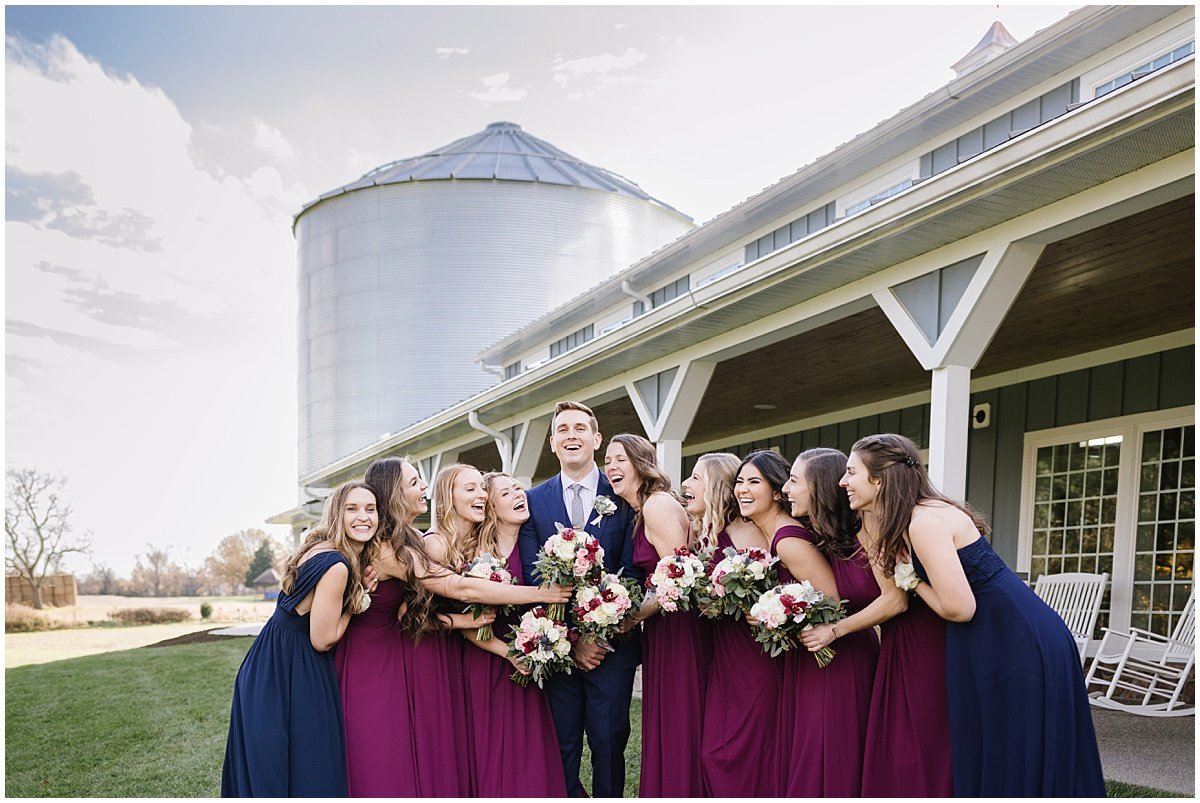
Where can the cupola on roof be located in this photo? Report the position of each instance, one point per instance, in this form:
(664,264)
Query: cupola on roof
(501,152)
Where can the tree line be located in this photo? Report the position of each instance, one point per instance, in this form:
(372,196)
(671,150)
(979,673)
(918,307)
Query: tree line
(231,569)
(38,536)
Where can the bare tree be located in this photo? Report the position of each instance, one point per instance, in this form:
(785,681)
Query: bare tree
(153,574)
(37,526)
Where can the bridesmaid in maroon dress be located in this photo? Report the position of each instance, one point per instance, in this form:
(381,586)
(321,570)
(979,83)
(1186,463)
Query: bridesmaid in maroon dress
(909,707)
(742,699)
(674,658)
(392,671)
(823,712)
(516,750)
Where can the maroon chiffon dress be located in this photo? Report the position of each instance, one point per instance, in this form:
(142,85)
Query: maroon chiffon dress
(442,715)
(740,709)
(908,730)
(823,712)
(374,682)
(515,746)
(674,669)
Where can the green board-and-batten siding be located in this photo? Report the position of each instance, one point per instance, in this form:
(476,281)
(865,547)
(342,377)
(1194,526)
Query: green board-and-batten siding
(995,454)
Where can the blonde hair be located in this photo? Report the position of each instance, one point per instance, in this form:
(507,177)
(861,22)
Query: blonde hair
(720,504)
(457,530)
(332,529)
(486,537)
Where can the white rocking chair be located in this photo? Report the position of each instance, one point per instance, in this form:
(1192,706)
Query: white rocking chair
(1076,597)
(1150,669)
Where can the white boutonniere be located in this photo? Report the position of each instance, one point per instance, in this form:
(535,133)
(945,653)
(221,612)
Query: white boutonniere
(906,577)
(364,602)
(604,507)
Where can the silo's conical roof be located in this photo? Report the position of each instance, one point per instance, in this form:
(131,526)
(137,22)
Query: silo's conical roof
(501,152)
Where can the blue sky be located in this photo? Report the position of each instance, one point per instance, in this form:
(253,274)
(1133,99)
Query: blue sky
(155,157)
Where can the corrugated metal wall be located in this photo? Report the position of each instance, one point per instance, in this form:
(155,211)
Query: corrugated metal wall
(1153,382)
(400,286)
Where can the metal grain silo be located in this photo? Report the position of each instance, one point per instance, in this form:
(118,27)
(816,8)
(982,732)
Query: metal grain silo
(407,273)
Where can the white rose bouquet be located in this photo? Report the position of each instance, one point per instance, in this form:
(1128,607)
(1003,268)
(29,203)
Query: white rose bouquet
(568,557)
(486,567)
(906,577)
(542,644)
(785,610)
(678,580)
(600,607)
(737,581)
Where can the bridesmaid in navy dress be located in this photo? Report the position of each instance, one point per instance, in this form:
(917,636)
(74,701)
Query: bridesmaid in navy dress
(398,691)
(516,749)
(823,711)
(742,698)
(1020,722)
(674,658)
(285,725)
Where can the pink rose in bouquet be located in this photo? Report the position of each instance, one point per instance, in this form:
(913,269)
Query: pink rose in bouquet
(783,611)
(737,581)
(486,567)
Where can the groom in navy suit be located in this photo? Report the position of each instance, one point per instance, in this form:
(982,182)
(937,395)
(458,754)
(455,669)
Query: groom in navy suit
(595,697)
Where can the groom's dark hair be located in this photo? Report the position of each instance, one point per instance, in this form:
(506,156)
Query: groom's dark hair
(562,406)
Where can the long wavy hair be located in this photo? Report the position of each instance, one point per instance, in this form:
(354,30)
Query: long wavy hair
(460,533)
(895,462)
(332,528)
(775,470)
(720,504)
(486,537)
(644,458)
(384,478)
(829,517)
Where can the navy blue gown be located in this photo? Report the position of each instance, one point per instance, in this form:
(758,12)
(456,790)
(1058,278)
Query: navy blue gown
(1020,722)
(286,737)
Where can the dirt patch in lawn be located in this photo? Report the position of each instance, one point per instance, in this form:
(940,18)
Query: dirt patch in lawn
(199,637)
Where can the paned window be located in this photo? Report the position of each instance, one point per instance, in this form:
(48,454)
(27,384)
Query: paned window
(1166,528)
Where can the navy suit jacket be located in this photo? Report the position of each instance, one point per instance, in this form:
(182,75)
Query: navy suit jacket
(614,532)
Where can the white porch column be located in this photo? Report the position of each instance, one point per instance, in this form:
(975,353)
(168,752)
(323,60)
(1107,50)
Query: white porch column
(667,413)
(670,457)
(528,449)
(949,425)
(947,318)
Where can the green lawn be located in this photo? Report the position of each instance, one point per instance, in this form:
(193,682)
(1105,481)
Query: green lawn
(152,723)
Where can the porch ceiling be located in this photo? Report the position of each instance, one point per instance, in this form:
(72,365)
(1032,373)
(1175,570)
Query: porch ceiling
(1125,281)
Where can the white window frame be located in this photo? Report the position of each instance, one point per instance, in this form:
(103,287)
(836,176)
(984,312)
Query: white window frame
(1131,428)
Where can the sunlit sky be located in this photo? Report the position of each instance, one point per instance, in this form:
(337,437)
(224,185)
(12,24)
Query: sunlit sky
(155,156)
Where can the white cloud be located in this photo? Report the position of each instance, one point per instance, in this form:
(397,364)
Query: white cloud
(447,52)
(594,74)
(498,90)
(150,311)
(598,65)
(271,140)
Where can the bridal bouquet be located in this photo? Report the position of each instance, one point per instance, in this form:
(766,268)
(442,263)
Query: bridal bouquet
(488,568)
(600,607)
(543,644)
(785,610)
(566,558)
(678,580)
(737,581)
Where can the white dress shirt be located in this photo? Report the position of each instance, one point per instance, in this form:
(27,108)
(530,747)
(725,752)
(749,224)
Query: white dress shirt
(591,485)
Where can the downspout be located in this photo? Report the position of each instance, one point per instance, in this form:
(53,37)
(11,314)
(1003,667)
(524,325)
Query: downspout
(628,290)
(503,442)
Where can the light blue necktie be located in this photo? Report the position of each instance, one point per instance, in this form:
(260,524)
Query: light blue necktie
(577,519)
